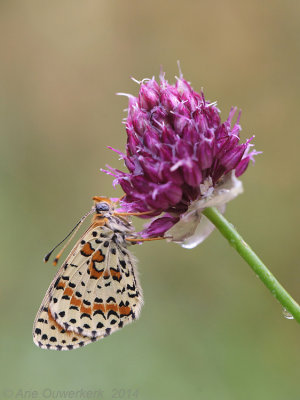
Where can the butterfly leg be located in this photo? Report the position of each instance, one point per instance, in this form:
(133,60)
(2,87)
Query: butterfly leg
(145,239)
(135,214)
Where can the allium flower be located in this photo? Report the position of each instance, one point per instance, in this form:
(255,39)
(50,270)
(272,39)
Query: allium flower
(181,159)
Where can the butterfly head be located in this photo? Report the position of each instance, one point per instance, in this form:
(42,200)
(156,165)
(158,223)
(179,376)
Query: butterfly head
(102,205)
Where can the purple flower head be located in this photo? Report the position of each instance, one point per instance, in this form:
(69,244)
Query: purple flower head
(180,158)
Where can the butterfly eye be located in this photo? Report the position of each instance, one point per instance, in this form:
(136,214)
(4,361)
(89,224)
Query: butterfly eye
(102,207)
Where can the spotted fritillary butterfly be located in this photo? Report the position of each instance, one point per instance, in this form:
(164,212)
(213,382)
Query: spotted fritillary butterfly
(96,291)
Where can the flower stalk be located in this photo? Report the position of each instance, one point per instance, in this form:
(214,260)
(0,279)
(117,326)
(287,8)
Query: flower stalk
(261,271)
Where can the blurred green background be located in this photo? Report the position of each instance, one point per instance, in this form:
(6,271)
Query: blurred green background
(209,329)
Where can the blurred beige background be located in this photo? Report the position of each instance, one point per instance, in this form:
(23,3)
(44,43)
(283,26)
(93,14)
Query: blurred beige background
(209,329)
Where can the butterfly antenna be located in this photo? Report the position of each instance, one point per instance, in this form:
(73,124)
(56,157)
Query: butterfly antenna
(72,233)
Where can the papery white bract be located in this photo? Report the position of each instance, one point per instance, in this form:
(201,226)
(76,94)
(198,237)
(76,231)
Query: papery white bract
(193,227)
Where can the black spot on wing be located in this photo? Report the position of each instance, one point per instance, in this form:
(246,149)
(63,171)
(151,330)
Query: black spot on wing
(98,300)
(112,312)
(99,312)
(85,315)
(56,282)
(107,331)
(111,299)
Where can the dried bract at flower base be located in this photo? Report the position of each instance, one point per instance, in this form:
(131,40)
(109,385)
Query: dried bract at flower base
(193,227)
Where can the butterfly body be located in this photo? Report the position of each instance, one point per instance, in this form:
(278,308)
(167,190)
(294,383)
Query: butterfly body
(96,291)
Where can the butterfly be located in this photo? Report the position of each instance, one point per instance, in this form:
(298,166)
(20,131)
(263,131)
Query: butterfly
(96,291)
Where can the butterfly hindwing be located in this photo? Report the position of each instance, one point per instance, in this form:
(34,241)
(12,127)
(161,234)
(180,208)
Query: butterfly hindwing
(48,334)
(102,294)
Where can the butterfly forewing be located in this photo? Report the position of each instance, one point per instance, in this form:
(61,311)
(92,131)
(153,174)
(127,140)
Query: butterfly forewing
(95,292)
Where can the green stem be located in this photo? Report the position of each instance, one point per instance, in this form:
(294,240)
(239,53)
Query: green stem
(229,232)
